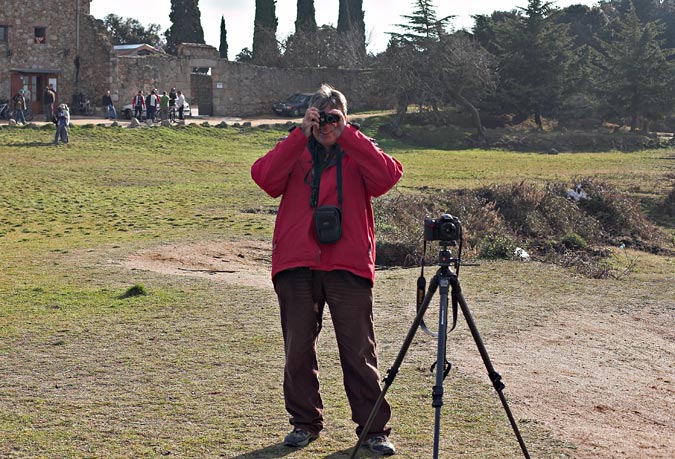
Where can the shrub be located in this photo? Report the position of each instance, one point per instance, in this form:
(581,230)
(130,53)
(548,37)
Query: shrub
(669,203)
(497,246)
(619,215)
(134,290)
(574,241)
(499,218)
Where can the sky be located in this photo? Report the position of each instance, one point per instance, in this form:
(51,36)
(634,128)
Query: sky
(381,16)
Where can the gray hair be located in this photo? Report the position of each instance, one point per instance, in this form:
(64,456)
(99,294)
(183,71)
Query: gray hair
(326,95)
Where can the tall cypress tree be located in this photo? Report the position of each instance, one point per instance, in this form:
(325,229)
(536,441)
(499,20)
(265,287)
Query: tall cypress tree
(265,47)
(222,49)
(186,25)
(352,26)
(306,18)
(350,18)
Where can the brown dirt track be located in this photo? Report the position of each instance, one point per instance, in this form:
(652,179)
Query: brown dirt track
(599,373)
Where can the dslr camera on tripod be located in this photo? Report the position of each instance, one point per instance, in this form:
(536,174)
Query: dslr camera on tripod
(446,228)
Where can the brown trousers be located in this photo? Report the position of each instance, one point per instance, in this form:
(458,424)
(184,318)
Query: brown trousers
(302,294)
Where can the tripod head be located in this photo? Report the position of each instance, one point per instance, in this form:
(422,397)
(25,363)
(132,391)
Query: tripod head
(445,258)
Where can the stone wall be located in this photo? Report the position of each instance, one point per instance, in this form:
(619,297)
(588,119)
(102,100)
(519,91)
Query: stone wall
(244,90)
(161,72)
(237,89)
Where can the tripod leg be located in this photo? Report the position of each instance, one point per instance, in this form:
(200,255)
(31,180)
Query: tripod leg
(437,394)
(494,376)
(392,372)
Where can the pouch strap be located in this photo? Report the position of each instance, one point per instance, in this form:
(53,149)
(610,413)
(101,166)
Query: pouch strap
(318,168)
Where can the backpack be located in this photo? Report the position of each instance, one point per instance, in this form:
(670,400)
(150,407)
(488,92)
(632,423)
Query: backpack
(59,114)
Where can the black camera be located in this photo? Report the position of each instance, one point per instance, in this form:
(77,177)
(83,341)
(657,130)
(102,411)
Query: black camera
(328,118)
(444,228)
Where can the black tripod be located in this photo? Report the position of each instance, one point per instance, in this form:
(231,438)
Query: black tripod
(448,283)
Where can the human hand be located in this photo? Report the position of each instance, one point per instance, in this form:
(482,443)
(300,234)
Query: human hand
(310,120)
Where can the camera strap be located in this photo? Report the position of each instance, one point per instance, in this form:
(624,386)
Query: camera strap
(320,163)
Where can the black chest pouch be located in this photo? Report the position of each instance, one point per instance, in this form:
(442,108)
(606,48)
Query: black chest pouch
(328,224)
(327,219)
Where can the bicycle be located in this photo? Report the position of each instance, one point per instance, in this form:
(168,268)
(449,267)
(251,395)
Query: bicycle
(6,113)
(28,115)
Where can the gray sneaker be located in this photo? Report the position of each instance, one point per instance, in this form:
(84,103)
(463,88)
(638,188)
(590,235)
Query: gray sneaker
(380,445)
(299,437)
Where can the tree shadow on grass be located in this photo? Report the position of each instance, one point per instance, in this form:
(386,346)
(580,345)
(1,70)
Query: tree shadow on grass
(279,450)
(346,454)
(29,144)
(270,452)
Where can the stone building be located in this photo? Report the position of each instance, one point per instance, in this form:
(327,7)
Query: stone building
(56,43)
(60,43)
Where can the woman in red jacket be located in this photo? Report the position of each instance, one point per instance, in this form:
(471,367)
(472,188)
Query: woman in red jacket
(323,251)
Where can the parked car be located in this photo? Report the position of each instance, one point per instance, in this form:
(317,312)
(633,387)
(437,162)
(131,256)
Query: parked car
(128,112)
(295,105)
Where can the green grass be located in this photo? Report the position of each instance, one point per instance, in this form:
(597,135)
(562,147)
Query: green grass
(193,368)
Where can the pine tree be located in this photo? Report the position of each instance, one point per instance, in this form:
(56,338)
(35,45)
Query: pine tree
(186,26)
(222,49)
(637,73)
(306,18)
(265,47)
(534,54)
(423,28)
(647,11)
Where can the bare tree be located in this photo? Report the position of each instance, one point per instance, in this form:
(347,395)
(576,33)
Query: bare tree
(432,68)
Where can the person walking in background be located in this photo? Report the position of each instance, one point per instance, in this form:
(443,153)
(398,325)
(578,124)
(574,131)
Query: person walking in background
(180,103)
(172,104)
(48,99)
(152,105)
(164,106)
(323,251)
(19,106)
(107,102)
(138,103)
(62,122)
(27,94)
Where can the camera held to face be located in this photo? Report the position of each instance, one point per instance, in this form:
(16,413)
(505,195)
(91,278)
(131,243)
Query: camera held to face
(446,228)
(328,118)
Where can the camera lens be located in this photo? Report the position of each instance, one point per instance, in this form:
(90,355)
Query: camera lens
(448,229)
(327,118)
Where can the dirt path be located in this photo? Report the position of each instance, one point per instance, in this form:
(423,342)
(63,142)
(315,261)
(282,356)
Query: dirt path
(601,379)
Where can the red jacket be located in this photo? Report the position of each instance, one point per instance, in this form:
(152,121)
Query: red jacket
(366,172)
